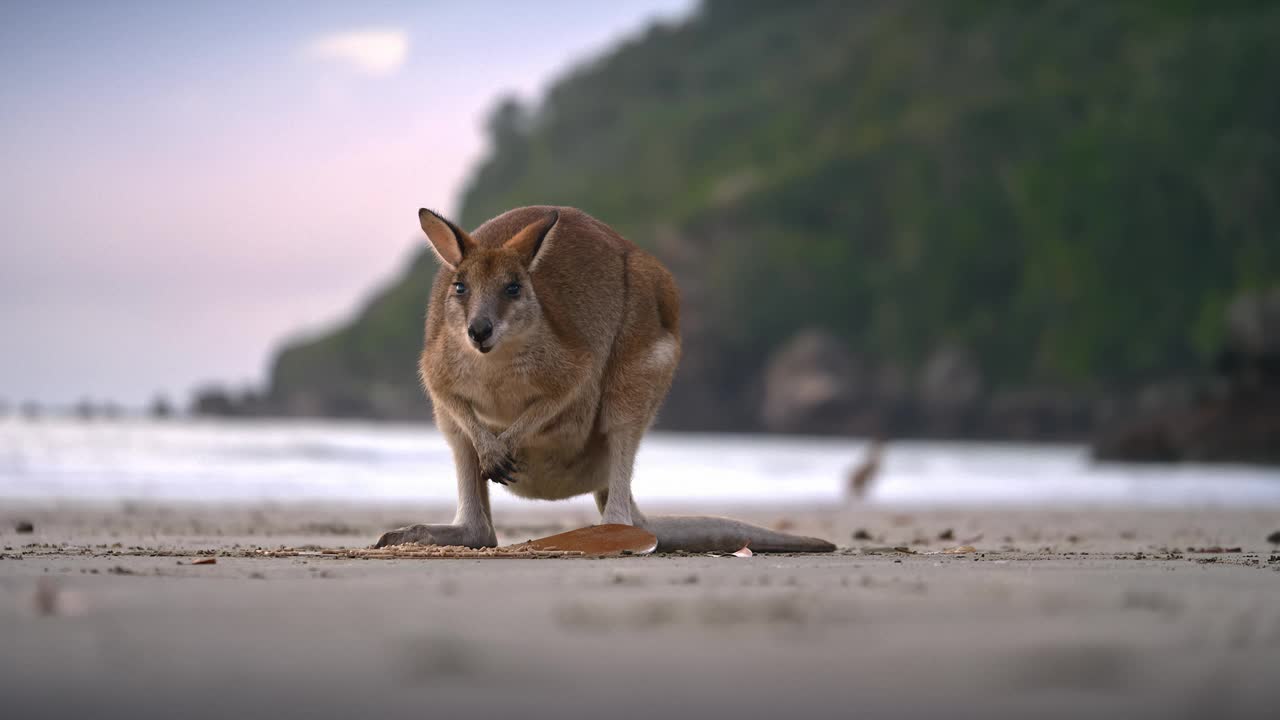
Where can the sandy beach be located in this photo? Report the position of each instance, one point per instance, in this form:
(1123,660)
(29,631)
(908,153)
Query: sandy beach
(1117,613)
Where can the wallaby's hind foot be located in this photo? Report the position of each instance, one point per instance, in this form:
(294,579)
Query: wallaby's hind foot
(462,535)
(716,534)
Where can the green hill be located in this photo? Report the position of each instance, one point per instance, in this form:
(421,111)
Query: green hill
(1065,194)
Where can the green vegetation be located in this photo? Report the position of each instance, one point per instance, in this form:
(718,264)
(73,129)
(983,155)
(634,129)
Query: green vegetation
(1071,191)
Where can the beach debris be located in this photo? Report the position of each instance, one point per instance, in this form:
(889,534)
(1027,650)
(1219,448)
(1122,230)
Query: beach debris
(959,550)
(744,552)
(888,550)
(205,561)
(947,534)
(24,527)
(414,551)
(1216,549)
(610,540)
(861,534)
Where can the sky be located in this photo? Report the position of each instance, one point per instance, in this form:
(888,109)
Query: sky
(184,186)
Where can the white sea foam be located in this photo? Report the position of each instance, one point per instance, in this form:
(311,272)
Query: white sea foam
(280,461)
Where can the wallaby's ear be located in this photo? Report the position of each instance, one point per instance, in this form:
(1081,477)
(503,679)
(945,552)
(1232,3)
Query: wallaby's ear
(450,242)
(530,241)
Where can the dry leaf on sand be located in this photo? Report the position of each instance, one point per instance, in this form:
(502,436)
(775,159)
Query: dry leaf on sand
(744,552)
(205,561)
(599,540)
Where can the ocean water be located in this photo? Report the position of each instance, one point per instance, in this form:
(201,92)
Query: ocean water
(184,460)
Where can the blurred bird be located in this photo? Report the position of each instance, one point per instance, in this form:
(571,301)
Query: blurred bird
(861,476)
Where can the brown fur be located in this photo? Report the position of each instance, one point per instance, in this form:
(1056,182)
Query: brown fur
(555,401)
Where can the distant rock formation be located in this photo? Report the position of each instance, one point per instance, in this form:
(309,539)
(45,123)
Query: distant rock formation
(217,401)
(1233,416)
(949,391)
(160,408)
(810,385)
(816,384)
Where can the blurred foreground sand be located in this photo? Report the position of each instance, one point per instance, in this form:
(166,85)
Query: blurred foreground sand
(1060,613)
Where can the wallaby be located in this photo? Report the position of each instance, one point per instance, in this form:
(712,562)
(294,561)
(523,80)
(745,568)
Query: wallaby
(551,341)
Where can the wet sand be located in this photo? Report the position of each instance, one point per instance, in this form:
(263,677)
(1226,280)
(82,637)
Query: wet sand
(104,612)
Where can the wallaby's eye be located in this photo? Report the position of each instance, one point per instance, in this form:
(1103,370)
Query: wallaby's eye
(459,288)
(513,289)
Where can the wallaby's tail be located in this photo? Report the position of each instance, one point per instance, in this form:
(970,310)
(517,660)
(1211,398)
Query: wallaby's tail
(716,534)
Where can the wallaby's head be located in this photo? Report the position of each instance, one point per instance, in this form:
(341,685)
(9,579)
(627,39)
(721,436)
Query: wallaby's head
(491,299)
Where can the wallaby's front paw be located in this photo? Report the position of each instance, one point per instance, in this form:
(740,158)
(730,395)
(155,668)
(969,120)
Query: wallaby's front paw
(502,472)
(497,461)
(439,535)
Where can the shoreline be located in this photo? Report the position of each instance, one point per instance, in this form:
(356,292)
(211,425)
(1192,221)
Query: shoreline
(1012,528)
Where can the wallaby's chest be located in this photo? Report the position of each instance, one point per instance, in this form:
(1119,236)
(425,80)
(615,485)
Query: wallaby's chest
(501,388)
(497,399)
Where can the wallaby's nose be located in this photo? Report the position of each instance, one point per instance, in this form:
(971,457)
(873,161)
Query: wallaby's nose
(480,330)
